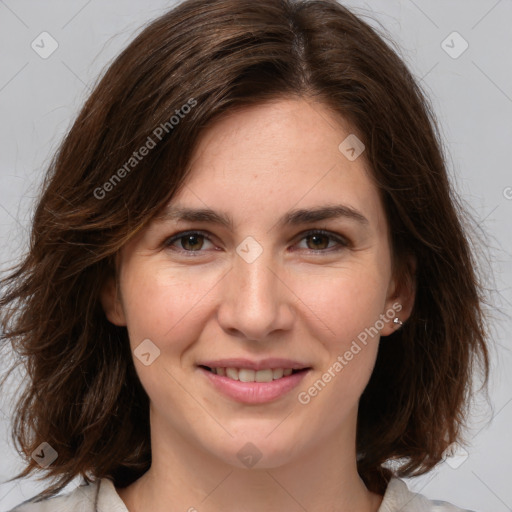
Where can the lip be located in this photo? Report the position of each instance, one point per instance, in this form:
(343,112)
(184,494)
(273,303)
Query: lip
(254,392)
(263,364)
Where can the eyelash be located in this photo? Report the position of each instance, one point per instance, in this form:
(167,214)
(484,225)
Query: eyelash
(343,243)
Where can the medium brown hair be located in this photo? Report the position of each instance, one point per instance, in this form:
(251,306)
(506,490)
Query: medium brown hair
(84,397)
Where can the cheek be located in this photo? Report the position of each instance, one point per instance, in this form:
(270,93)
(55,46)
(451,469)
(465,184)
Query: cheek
(165,304)
(347,307)
(168,307)
(343,304)
(347,315)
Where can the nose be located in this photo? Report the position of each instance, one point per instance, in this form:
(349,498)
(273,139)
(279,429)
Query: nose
(255,299)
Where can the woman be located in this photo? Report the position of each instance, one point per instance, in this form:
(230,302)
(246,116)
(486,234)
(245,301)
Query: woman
(248,285)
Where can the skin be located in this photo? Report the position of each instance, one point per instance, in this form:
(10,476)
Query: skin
(292,301)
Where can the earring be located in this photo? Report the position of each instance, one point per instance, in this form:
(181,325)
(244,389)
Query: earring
(398,322)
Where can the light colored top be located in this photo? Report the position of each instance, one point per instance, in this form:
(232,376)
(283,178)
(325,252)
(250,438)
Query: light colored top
(101,496)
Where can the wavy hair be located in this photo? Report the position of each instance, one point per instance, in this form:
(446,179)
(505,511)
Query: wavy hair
(83,395)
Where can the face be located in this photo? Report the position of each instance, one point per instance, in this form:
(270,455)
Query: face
(273,289)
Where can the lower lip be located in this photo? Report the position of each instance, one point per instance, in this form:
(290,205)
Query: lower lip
(254,392)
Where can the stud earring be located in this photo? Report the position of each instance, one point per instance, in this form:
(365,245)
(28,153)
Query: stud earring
(398,322)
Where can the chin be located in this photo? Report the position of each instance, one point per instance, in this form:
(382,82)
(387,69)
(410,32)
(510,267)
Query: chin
(257,451)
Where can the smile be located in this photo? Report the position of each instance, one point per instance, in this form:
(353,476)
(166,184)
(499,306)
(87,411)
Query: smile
(248,375)
(253,386)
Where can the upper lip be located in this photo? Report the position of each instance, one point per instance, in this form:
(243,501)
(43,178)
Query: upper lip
(263,364)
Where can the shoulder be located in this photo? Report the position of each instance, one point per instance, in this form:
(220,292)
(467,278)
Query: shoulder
(399,498)
(88,497)
(101,495)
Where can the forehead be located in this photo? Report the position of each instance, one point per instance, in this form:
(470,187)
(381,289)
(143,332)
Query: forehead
(269,158)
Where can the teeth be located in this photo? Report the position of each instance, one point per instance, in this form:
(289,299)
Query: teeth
(263,375)
(278,373)
(232,373)
(246,375)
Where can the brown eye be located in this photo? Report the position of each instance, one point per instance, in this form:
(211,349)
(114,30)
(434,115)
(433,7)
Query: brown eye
(318,242)
(192,242)
(324,241)
(188,242)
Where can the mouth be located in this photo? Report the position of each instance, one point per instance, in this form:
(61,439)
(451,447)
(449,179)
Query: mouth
(250,375)
(254,383)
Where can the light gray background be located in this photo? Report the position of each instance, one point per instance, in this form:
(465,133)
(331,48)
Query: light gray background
(472,96)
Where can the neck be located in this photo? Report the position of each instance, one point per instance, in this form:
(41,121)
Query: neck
(185,476)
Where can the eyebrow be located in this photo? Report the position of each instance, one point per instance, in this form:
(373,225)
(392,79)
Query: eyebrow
(291,218)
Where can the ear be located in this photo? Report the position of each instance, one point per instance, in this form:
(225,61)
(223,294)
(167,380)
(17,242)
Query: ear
(400,298)
(111,302)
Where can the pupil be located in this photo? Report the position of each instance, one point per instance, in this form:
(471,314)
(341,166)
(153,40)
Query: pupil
(188,241)
(317,237)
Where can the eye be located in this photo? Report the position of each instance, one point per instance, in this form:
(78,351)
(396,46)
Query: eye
(320,239)
(317,241)
(190,241)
